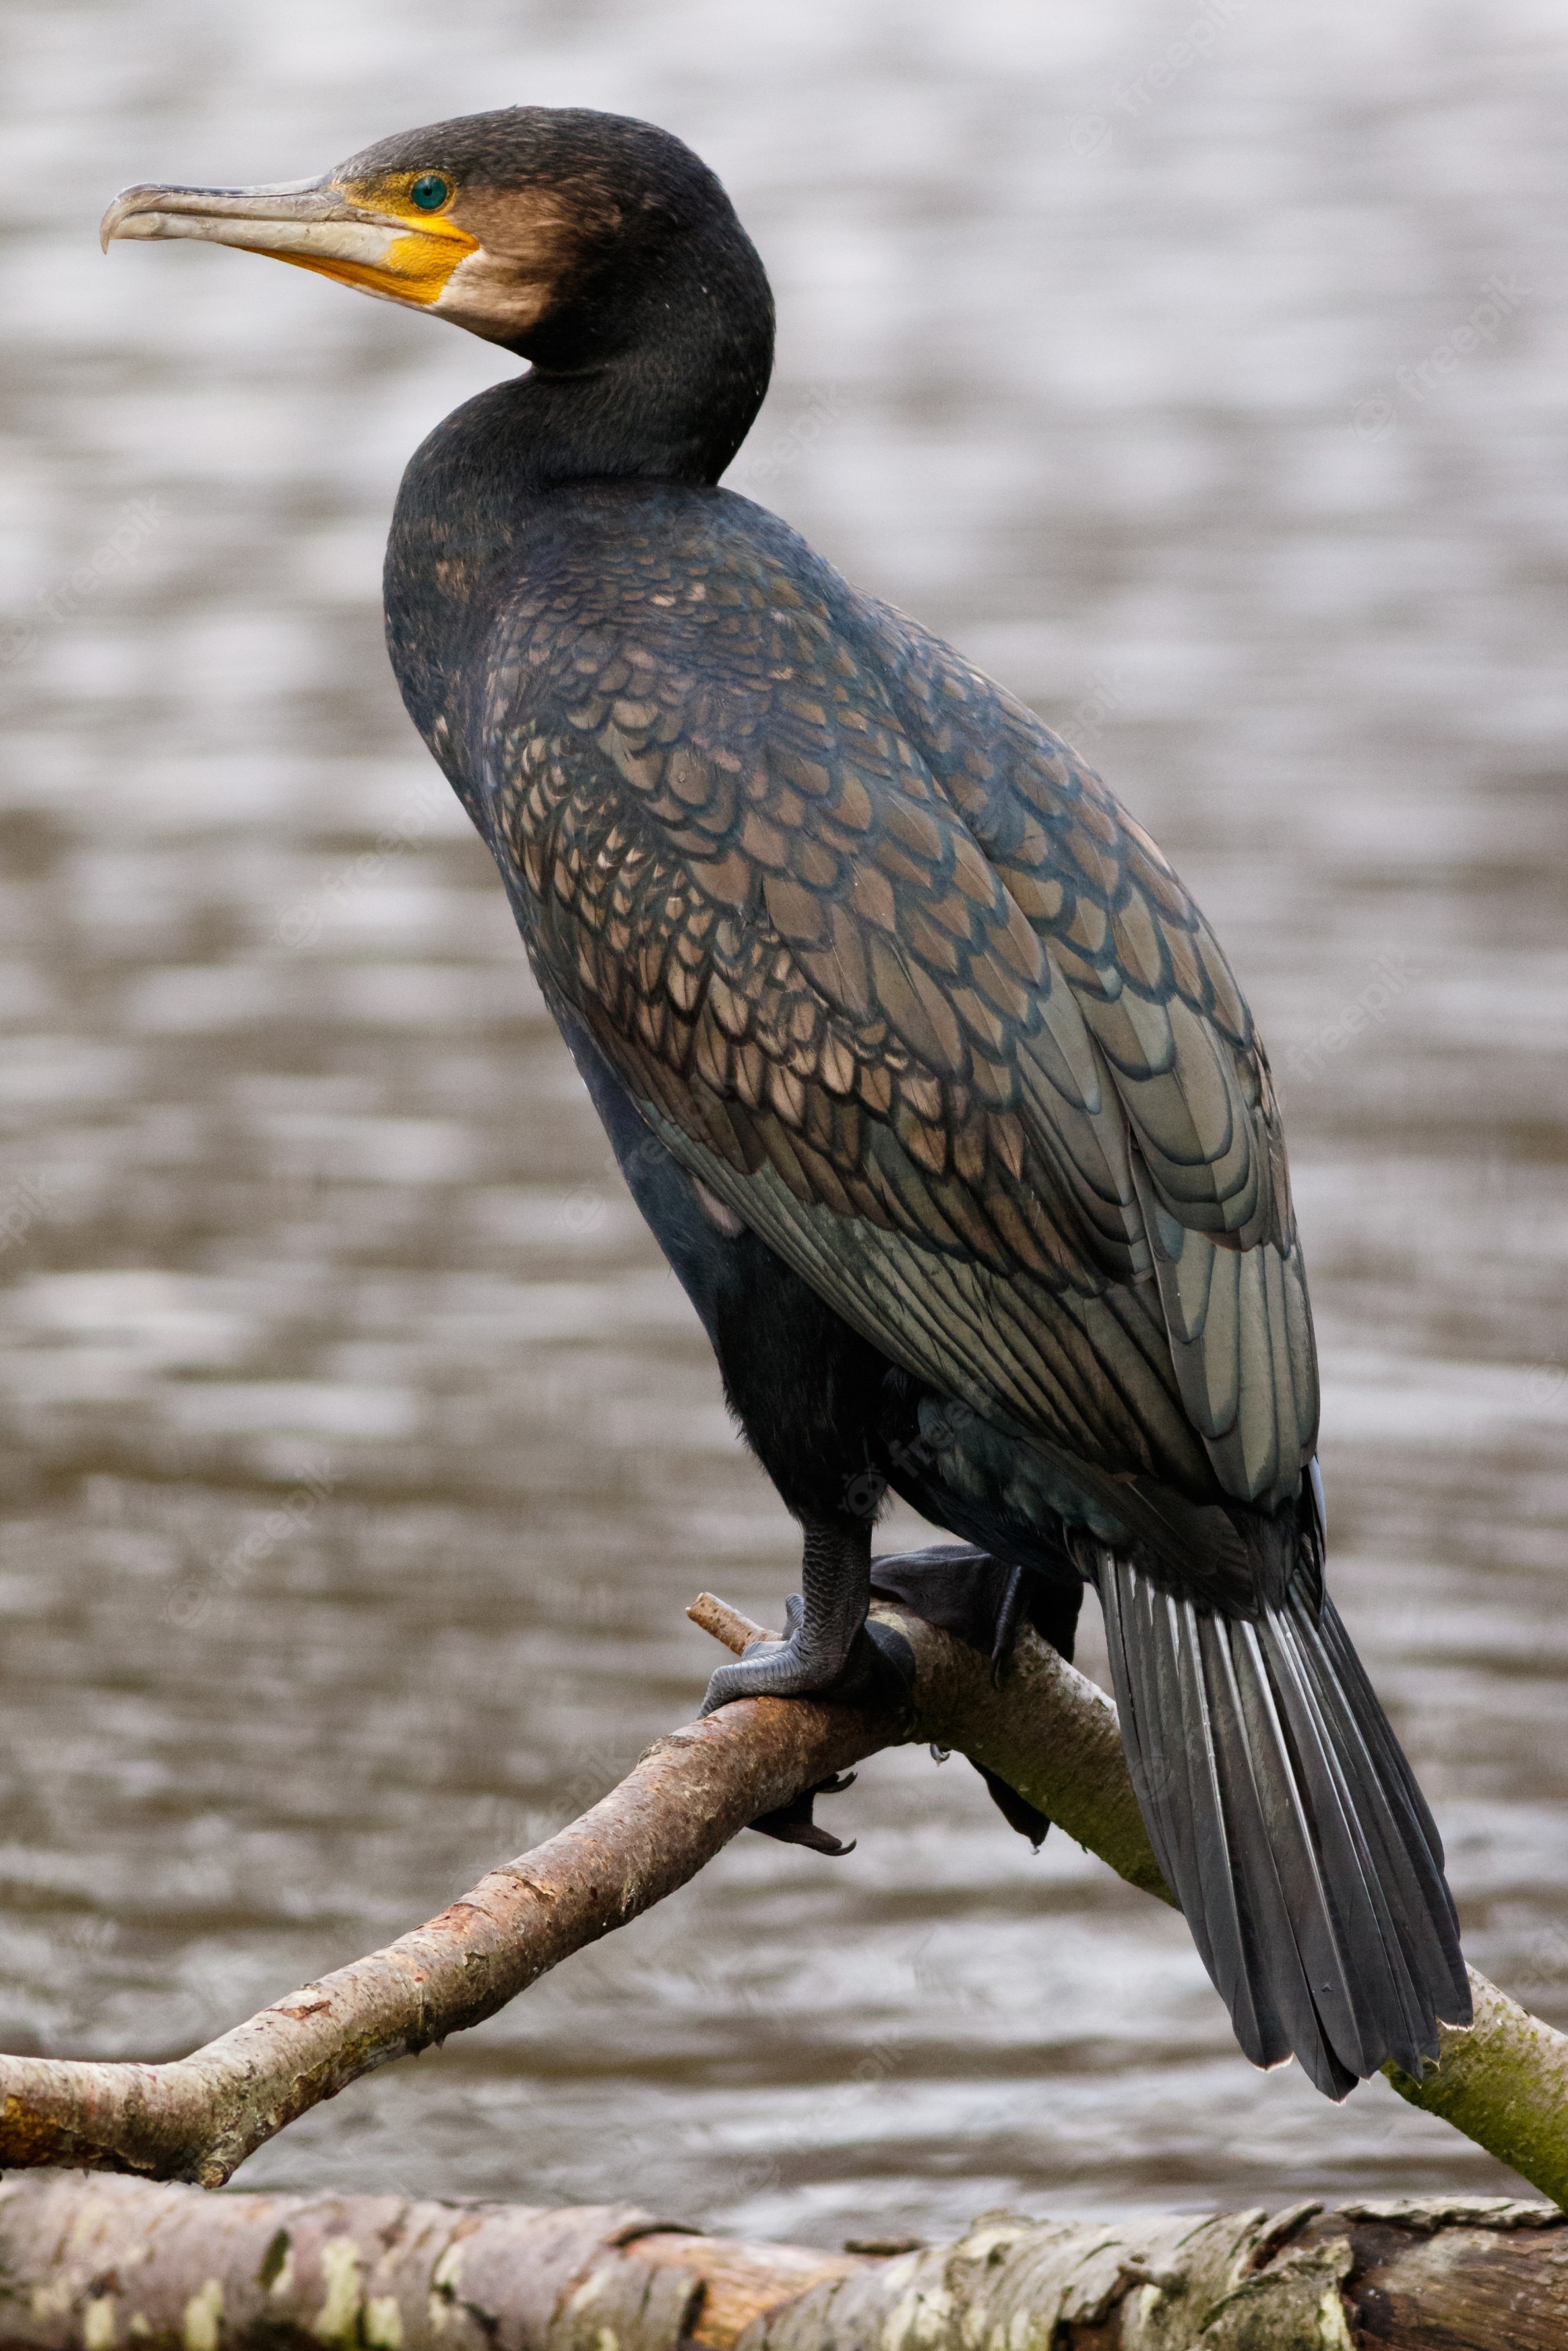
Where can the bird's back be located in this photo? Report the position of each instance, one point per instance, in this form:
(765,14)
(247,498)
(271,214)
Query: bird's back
(904,987)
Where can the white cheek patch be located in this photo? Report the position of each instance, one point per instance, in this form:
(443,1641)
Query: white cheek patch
(492,298)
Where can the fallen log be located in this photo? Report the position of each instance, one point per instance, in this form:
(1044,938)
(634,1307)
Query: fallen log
(1047,1732)
(95,2264)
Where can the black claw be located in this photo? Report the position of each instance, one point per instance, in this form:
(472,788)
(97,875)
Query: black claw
(792,1823)
(1016,1810)
(895,1659)
(1008,1615)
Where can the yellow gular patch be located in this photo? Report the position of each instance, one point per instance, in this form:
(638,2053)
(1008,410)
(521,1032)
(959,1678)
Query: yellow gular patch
(414,268)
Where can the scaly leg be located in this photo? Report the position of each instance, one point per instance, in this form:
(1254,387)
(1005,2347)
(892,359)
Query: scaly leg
(823,1622)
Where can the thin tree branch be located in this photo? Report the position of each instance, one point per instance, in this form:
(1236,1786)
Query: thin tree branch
(199,2116)
(1047,1731)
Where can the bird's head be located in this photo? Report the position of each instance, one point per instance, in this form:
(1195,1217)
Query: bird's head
(549,230)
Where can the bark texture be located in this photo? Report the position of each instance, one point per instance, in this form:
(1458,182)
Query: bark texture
(95,2264)
(1047,1731)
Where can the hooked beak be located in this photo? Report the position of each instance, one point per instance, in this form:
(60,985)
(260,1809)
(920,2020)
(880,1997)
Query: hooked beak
(311,222)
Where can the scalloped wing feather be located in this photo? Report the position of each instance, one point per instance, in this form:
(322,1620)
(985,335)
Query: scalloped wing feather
(917,1000)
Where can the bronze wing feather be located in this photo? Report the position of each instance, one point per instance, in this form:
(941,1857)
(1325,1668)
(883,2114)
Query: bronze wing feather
(899,981)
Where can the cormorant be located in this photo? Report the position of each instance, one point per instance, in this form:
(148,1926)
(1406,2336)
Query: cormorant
(928,1075)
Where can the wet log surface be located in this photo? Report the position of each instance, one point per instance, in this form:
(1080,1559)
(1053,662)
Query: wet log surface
(104,2264)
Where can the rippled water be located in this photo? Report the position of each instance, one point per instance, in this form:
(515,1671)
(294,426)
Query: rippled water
(360,1457)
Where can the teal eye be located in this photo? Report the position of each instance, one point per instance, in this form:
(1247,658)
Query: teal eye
(431,193)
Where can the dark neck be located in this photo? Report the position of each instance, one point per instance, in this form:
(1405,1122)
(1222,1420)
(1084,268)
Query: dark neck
(661,387)
(658,374)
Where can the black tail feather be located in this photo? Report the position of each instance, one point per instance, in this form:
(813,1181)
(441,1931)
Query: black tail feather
(1290,1827)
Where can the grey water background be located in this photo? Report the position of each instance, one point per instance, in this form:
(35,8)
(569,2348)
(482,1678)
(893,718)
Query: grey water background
(1199,369)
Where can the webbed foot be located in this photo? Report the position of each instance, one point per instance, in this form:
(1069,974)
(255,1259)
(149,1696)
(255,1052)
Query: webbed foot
(875,1665)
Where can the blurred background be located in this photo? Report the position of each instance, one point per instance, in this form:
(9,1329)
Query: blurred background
(1198,368)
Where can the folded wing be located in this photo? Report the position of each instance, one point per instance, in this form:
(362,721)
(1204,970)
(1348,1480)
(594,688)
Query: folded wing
(897,978)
